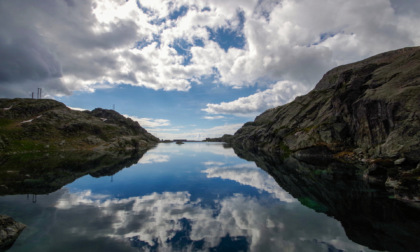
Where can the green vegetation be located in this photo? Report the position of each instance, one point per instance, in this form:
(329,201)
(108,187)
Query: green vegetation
(313,204)
(51,126)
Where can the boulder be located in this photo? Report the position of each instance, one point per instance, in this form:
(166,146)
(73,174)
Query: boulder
(9,231)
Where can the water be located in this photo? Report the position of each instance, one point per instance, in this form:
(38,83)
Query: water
(190,197)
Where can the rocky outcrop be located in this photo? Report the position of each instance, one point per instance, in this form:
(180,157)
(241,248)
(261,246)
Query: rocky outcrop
(41,124)
(9,231)
(366,111)
(225,138)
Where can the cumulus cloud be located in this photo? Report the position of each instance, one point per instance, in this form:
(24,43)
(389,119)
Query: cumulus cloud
(63,46)
(200,133)
(281,93)
(150,122)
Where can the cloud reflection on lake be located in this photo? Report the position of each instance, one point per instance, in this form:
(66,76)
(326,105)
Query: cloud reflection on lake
(159,218)
(248,174)
(190,197)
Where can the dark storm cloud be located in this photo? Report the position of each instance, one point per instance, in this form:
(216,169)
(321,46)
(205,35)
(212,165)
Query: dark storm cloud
(406,6)
(42,41)
(25,58)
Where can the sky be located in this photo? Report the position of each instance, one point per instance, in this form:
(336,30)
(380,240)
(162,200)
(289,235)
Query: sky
(190,68)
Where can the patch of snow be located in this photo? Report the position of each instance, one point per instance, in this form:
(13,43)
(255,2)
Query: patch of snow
(28,121)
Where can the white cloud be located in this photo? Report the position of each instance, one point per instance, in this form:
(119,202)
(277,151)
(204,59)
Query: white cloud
(281,93)
(149,123)
(213,117)
(85,45)
(201,133)
(211,163)
(159,128)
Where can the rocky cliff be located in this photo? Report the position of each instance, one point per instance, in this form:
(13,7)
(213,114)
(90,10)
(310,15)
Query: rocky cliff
(28,125)
(366,111)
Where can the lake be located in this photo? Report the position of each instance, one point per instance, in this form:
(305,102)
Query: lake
(200,197)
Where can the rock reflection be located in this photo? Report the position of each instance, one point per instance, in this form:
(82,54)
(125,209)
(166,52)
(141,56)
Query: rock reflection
(191,197)
(369,216)
(41,173)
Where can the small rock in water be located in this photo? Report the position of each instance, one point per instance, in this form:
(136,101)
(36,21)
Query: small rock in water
(9,231)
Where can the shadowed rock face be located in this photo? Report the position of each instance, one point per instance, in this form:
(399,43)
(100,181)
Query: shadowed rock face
(368,110)
(367,213)
(38,125)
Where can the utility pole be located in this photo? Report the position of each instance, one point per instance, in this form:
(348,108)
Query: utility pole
(113,107)
(39,94)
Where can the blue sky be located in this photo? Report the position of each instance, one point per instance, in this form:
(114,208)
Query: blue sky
(190,68)
(180,113)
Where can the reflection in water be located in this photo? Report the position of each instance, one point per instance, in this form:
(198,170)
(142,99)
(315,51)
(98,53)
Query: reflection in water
(154,158)
(367,214)
(190,197)
(171,221)
(35,173)
(248,174)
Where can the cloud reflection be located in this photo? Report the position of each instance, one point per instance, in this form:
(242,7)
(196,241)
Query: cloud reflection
(248,174)
(159,219)
(151,158)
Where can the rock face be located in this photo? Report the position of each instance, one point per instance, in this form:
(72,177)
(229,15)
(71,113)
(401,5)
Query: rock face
(368,110)
(225,138)
(9,231)
(31,125)
(371,107)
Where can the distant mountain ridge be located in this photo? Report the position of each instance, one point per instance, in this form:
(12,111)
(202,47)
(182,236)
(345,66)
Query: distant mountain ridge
(42,124)
(366,111)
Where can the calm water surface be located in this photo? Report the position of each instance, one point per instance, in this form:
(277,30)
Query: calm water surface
(190,197)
